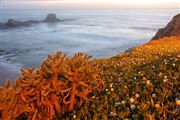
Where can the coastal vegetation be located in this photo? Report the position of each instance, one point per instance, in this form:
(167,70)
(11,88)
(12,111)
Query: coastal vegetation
(140,84)
(61,84)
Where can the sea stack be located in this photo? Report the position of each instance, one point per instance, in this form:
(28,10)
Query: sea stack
(51,18)
(15,23)
(172,29)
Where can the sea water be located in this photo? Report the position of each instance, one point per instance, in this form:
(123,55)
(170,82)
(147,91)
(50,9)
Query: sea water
(101,33)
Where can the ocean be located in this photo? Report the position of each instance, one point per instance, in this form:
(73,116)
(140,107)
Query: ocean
(101,33)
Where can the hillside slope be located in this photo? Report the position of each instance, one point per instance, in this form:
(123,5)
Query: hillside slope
(142,84)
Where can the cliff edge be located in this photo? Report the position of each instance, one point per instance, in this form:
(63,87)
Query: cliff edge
(172,29)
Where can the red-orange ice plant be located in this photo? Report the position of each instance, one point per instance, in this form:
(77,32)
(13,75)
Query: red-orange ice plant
(60,85)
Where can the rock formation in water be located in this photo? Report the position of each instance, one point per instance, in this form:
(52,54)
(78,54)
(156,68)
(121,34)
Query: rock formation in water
(51,18)
(32,21)
(172,29)
(15,23)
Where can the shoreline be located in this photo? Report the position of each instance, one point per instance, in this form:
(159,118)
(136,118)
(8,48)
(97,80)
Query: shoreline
(131,79)
(8,71)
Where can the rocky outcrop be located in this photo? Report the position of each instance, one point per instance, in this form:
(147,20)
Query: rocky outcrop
(32,21)
(15,23)
(51,18)
(172,29)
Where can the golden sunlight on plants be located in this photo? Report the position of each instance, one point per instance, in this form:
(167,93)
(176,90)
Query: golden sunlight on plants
(139,84)
(62,84)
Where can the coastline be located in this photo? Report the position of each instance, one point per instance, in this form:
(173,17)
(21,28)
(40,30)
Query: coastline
(135,82)
(140,83)
(8,71)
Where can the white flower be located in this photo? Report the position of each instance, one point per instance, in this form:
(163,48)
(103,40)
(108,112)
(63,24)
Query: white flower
(111,85)
(106,89)
(153,95)
(160,74)
(117,104)
(112,89)
(74,116)
(165,80)
(113,114)
(123,102)
(132,100)
(165,77)
(148,82)
(137,95)
(174,64)
(132,106)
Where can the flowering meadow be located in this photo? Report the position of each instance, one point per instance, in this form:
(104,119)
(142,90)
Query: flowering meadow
(139,84)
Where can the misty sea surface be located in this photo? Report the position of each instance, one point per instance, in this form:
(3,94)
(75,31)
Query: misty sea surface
(101,33)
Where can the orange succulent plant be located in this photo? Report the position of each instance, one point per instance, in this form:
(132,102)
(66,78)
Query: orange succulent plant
(60,85)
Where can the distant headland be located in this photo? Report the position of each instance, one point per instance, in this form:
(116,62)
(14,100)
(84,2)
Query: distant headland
(11,23)
(172,29)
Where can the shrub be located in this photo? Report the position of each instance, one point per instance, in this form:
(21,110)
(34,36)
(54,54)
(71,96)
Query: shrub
(61,85)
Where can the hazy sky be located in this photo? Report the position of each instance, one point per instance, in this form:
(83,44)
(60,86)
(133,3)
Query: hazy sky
(86,4)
